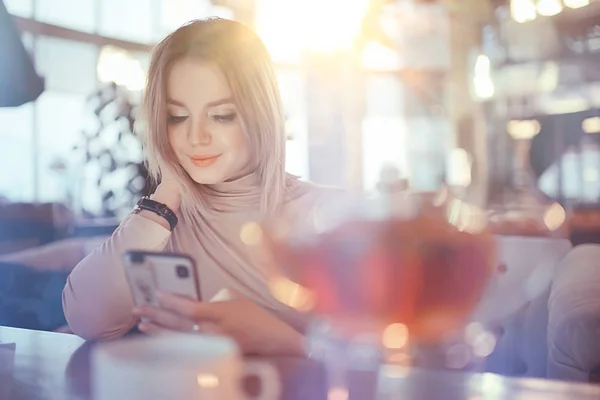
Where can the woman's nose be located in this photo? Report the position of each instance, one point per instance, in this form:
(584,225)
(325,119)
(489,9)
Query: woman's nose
(199,136)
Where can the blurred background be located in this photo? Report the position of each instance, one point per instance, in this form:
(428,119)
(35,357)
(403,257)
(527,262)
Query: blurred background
(494,98)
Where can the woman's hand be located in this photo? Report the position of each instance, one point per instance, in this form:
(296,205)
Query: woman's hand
(168,193)
(254,329)
(169,190)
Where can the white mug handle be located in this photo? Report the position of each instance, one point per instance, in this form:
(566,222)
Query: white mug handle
(269,378)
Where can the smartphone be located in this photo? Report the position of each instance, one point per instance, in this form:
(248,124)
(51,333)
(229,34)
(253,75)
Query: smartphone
(149,272)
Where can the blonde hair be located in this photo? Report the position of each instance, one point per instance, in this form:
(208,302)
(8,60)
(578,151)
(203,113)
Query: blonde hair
(245,62)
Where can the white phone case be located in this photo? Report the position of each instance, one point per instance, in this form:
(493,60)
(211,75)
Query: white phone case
(147,273)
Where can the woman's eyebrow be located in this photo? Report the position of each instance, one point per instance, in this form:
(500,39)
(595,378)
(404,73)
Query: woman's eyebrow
(214,103)
(175,103)
(225,100)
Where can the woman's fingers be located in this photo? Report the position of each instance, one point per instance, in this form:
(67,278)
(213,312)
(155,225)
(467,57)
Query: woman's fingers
(179,314)
(165,318)
(210,328)
(203,327)
(191,309)
(151,328)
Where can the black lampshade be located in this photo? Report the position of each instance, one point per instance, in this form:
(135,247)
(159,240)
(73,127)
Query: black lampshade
(19,82)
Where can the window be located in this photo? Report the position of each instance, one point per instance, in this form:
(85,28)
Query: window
(66,65)
(21,8)
(293,95)
(59,123)
(273,26)
(580,176)
(427,151)
(128,19)
(383,145)
(384,95)
(174,13)
(122,67)
(423,35)
(377,57)
(427,171)
(69,68)
(16,153)
(73,14)
(144,60)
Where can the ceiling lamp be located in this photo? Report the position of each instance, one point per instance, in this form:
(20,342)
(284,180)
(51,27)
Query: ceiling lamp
(523,129)
(549,8)
(118,66)
(576,3)
(591,125)
(333,25)
(522,10)
(483,85)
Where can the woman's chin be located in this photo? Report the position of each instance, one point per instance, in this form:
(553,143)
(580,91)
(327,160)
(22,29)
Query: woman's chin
(207,178)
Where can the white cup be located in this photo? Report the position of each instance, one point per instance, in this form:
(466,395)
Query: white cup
(176,366)
(7,365)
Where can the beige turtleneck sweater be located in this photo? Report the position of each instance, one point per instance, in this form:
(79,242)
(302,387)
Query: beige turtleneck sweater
(96,299)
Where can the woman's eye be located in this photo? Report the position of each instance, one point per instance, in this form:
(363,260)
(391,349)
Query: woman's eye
(174,119)
(224,118)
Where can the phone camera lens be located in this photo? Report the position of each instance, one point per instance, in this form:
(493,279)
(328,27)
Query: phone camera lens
(182,271)
(137,258)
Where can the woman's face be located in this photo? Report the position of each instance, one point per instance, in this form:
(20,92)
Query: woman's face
(203,124)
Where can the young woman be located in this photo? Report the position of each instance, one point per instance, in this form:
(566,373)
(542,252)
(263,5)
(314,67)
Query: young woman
(215,140)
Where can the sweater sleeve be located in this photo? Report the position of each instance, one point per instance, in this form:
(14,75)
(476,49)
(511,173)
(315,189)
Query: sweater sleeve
(96,298)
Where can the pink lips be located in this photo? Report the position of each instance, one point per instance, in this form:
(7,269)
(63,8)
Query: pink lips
(204,160)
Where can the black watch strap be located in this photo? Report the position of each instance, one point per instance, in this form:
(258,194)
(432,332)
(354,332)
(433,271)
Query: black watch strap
(146,203)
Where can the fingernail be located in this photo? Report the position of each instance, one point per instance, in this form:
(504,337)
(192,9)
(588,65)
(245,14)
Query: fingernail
(137,310)
(142,326)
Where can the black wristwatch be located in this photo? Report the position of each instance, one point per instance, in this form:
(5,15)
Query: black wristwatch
(146,203)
